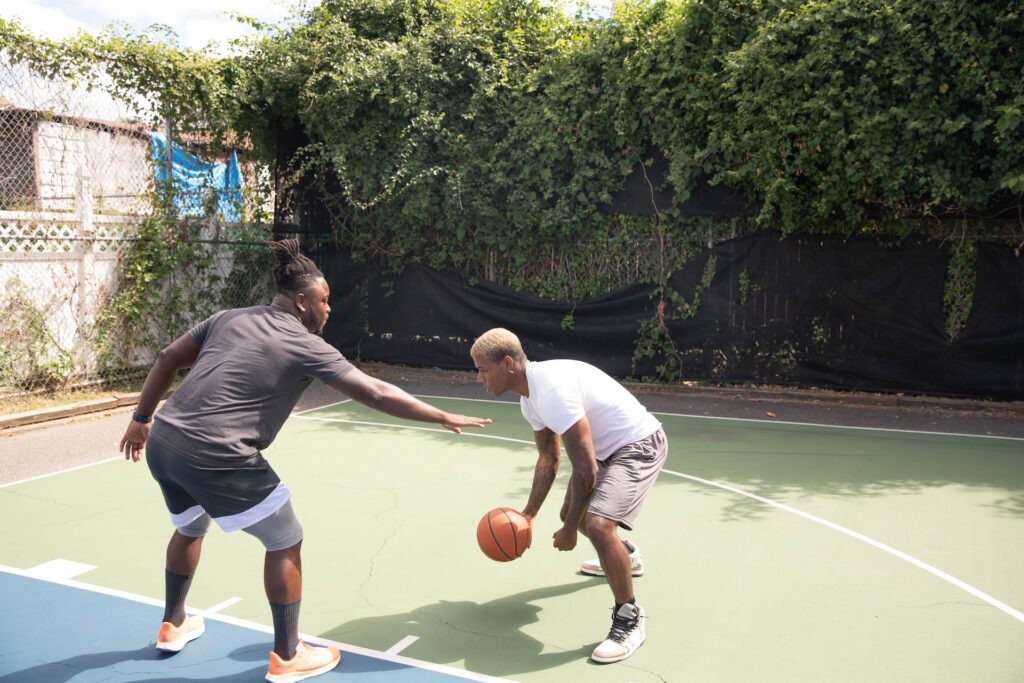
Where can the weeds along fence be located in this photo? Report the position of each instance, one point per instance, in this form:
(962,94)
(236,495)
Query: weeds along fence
(64,324)
(77,197)
(65,327)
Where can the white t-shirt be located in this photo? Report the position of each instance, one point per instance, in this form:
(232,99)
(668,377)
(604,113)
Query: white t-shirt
(564,391)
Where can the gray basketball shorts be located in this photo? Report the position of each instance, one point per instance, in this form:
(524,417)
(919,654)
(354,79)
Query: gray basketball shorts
(236,495)
(625,478)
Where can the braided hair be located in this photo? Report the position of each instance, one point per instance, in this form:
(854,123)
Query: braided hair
(292,271)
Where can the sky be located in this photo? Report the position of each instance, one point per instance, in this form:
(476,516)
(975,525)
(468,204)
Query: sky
(196,22)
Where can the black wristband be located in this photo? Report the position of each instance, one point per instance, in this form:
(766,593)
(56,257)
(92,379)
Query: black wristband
(144,419)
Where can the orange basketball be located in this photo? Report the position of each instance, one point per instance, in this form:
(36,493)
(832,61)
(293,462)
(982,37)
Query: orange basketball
(503,534)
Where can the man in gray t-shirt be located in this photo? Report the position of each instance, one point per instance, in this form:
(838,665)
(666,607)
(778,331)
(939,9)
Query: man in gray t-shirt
(249,367)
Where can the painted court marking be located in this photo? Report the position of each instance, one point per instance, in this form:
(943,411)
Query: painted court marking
(386,656)
(58,570)
(65,471)
(329,405)
(746,419)
(220,606)
(436,430)
(401,645)
(920,564)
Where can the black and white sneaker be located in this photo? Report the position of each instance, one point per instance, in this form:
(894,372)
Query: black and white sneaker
(626,636)
(636,563)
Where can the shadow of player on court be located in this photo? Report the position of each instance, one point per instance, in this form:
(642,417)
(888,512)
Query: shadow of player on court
(114,662)
(486,636)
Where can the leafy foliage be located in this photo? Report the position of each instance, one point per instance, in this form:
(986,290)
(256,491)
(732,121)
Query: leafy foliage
(487,135)
(958,294)
(169,278)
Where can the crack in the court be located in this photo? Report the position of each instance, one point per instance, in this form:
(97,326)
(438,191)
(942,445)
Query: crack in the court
(42,499)
(381,547)
(475,633)
(647,671)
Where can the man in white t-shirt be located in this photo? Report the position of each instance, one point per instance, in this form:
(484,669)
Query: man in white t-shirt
(616,449)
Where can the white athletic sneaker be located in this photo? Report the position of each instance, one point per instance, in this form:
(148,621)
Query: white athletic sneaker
(636,561)
(626,636)
(172,638)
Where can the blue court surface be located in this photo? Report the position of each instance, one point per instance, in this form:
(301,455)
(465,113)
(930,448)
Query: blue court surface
(63,631)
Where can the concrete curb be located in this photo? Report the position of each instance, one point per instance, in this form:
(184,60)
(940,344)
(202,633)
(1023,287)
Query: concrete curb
(70,410)
(43,415)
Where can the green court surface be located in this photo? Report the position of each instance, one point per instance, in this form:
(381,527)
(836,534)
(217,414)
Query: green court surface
(774,552)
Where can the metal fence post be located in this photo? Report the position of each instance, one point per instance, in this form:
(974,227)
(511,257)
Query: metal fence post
(86,234)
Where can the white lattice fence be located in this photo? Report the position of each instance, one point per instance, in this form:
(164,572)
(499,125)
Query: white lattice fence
(55,269)
(35,233)
(58,272)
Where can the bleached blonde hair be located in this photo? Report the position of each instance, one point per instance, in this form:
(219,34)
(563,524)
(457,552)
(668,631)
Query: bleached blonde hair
(497,343)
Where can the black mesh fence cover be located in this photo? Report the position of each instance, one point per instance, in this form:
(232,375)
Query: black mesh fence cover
(808,311)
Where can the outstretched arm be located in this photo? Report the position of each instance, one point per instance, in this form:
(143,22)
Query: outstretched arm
(181,353)
(389,399)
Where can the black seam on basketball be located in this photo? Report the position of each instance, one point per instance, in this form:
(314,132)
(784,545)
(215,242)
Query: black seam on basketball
(497,543)
(515,531)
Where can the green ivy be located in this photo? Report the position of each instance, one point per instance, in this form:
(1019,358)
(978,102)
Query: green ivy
(488,136)
(169,279)
(958,294)
(31,356)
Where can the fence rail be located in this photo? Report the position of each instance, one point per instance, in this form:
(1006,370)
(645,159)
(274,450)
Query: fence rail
(59,273)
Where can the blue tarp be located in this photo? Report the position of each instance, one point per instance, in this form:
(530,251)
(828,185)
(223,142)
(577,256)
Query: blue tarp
(194,179)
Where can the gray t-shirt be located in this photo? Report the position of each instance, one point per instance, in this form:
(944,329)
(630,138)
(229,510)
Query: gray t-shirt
(253,365)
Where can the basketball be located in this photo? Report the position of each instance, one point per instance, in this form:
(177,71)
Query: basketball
(503,534)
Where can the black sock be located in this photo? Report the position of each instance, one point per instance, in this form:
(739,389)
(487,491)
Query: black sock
(629,547)
(631,601)
(175,589)
(286,628)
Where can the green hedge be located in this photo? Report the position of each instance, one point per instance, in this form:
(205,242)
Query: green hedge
(485,135)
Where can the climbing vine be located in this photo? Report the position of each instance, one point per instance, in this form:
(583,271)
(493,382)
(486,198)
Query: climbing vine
(958,294)
(493,136)
(31,355)
(170,277)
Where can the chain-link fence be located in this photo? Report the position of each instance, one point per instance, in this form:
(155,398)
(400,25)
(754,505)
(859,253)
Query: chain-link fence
(52,134)
(66,325)
(78,182)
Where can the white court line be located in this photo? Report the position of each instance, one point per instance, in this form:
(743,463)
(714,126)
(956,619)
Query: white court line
(252,626)
(70,469)
(221,606)
(715,417)
(981,595)
(759,421)
(828,426)
(329,405)
(512,402)
(436,430)
(948,578)
(401,645)
(56,570)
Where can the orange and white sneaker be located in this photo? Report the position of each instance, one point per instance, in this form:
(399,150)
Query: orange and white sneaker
(307,662)
(172,638)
